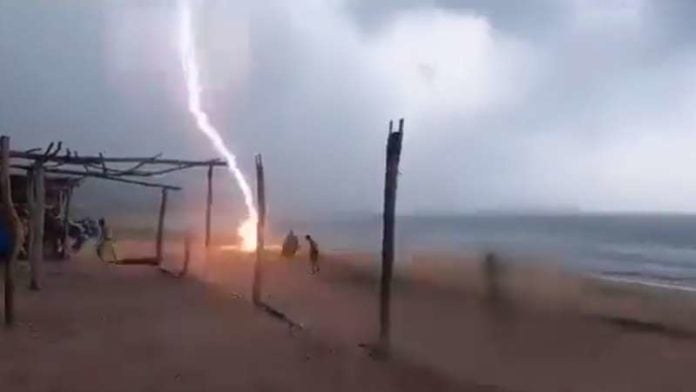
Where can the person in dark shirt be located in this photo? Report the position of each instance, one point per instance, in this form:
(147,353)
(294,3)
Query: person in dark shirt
(313,254)
(290,245)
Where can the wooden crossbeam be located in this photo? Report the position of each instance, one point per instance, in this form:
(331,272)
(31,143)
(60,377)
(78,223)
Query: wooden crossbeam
(104,177)
(98,160)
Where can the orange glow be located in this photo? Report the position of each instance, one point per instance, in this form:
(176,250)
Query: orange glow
(239,248)
(247,232)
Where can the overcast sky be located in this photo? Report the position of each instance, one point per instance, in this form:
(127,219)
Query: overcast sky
(584,104)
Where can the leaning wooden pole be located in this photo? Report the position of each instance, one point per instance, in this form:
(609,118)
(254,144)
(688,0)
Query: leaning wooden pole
(160,225)
(208,205)
(37,198)
(13,228)
(260,223)
(390,184)
(64,252)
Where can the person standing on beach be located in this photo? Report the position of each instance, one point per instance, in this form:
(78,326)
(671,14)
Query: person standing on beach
(313,254)
(290,245)
(492,270)
(106,242)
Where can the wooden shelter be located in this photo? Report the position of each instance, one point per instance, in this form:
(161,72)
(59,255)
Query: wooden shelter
(43,180)
(58,192)
(40,183)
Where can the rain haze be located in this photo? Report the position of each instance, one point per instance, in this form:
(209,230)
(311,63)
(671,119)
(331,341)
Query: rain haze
(532,229)
(544,105)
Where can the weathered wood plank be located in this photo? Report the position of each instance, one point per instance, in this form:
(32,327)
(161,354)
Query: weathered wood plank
(390,184)
(260,230)
(208,206)
(160,226)
(37,199)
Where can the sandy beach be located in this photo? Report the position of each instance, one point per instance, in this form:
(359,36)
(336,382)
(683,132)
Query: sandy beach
(115,328)
(552,331)
(108,327)
(486,196)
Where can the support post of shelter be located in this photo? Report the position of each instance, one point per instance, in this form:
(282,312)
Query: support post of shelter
(36,196)
(390,185)
(66,224)
(208,206)
(160,225)
(187,255)
(10,229)
(260,223)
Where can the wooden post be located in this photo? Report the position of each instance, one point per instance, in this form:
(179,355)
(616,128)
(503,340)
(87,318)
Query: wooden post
(160,225)
(187,255)
(208,205)
(390,184)
(64,253)
(36,194)
(13,226)
(261,201)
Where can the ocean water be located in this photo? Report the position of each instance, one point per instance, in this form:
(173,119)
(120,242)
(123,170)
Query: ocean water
(653,249)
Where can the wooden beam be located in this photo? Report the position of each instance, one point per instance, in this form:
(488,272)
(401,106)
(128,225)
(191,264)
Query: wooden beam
(103,177)
(187,259)
(13,226)
(98,160)
(187,255)
(133,171)
(208,205)
(390,184)
(36,195)
(155,173)
(66,224)
(260,223)
(160,225)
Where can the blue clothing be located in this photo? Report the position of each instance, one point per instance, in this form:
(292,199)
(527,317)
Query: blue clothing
(6,242)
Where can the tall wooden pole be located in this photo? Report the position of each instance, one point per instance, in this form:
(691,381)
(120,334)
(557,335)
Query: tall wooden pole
(36,190)
(260,223)
(160,224)
(66,224)
(13,226)
(390,183)
(208,206)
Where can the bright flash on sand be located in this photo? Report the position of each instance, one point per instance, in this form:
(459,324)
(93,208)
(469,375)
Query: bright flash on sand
(236,248)
(189,62)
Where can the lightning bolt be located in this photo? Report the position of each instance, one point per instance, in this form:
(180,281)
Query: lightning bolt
(189,63)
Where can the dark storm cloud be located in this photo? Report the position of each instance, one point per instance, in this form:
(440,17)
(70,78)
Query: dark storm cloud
(675,18)
(56,79)
(541,103)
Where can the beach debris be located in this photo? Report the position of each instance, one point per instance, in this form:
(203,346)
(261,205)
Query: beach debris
(643,326)
(280,315)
